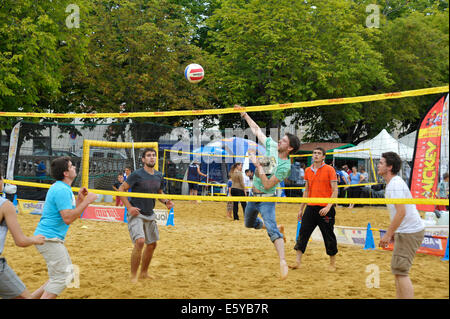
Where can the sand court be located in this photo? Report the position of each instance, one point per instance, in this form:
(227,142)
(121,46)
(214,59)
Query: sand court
(206,255)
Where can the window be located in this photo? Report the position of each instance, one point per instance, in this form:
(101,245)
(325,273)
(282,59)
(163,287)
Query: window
(41,144)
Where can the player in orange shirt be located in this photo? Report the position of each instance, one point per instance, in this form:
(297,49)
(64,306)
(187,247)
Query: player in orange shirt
(321,182)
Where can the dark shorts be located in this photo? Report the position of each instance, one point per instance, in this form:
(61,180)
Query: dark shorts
(193,186)
(310,220)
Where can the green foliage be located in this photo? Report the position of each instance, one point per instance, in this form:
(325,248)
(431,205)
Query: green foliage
(284,51)
(33,62)
(138,52)
(416,53)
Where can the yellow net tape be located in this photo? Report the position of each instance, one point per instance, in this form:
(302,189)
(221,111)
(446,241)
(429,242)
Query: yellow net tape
(371,201)
(291,156)
(193,182)
(348,100)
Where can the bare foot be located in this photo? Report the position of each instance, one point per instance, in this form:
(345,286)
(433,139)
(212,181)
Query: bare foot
(146,276)
(331,268)
(134,279)
(283,270)
(297,265)
(281,229)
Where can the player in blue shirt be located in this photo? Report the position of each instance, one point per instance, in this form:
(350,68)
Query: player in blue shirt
(60,210)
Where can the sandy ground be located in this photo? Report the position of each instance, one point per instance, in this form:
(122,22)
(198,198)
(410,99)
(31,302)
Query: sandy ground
(206,255)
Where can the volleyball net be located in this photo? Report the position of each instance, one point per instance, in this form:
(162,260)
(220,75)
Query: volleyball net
(103,145)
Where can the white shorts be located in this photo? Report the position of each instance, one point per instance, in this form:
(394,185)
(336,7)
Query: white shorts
(59,265)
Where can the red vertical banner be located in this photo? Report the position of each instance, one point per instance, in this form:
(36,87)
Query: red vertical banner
(425,171)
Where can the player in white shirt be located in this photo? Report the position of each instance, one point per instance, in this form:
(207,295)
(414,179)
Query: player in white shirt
(406,228)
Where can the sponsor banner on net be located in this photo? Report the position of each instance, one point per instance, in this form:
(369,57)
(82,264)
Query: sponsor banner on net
(438,230)
(345,235)
(30,206)
(116,214)
(430,245)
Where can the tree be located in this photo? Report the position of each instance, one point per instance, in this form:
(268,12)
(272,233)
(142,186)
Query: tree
(197,12)
(288,51)
(38,52)
(416,52)
(138,51)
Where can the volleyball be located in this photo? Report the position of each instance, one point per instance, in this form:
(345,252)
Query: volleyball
(194,73)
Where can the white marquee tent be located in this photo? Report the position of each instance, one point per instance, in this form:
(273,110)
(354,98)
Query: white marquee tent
(409,139)
(381,143)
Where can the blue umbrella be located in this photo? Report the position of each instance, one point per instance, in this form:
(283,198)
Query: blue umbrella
(210,155)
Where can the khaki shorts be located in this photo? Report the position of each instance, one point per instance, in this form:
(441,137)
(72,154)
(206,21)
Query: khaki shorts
(143,227)
(59,265)
(405,247)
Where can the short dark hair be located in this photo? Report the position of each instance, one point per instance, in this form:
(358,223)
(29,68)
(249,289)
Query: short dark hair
(294,142)
(445,175)
(59,166)
(394,160)
(318,148)
(148,149)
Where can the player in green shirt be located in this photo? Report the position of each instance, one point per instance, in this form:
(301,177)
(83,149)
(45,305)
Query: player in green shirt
(265,181)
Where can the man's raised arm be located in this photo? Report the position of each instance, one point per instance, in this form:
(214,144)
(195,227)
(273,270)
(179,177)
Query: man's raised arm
(254,127)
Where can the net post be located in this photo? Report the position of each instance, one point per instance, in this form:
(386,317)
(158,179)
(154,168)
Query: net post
(85,172)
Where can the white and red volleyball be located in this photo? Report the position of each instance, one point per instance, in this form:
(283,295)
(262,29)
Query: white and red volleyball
(194,73)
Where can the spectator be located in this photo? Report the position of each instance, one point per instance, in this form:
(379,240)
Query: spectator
(194,174)
(347,179)
(365,175)
(229,204)
(301,180)
(41,170)
(354,191)
(116,186)
(407,170)
(346,169)
(342,180)
(127,173)
(291,180)
(442,192)
(294,176)
(237,188)
(248,182)
(366,188)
